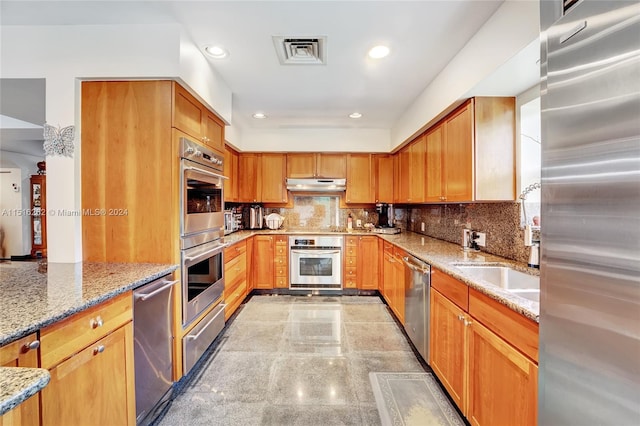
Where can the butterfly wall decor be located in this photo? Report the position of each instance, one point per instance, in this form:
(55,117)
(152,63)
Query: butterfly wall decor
(58,141)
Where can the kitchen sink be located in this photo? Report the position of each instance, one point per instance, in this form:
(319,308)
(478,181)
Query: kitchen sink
(516,282)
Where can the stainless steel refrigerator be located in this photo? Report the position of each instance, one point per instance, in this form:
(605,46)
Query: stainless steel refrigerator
(590,266)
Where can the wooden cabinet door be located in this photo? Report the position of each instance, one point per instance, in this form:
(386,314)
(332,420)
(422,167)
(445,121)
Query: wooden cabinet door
(213,129)
(404,175)
(447,346)
(398,293)
(249,184)
(263,272)
(95,386)
(458,155)
(434,189)
(273,171)
(502,382)
(359,179)
(396,179)
(231,172)
(383,174)
(367,261)
(188,114)
(417,173)
(18,354)
(250,278)
(388,278)
(301,165)
(331,165)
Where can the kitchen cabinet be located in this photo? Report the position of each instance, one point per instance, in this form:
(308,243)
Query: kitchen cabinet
(361,261)
(484,354)
(263,262)
(231,172)
(272,178)
(22,353)
(194,119)
(393,276)
(235,275)
(281,262)
(351,262)
(250,283)
(38,216)
(383,177)
(249,173)
(470,153)
(303,165)
(360,179)
(90,358)
(397,190)
(412,175)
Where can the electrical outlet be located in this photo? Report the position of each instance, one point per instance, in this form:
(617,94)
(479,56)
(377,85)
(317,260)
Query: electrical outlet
(482,239)
(422,227)
(358,223)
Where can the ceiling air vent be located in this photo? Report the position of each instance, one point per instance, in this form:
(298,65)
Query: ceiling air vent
(301,50)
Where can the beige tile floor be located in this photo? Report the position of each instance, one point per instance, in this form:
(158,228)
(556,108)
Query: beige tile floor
(295,360)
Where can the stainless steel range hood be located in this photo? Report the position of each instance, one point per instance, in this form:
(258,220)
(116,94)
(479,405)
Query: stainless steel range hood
(317,185)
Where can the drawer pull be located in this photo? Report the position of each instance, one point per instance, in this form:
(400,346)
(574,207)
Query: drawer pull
(97,322)
(461,317)
(31,346)
(98,350)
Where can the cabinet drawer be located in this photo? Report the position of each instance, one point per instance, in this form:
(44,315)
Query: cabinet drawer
(234,251)
(67,337)
(234,300)
(351,241)
(235,272)
(280,261)
(351,251)
(388,247)
(282,282)
(454,290)
(281,250)
(519,331)
(351,261)
(281,240)
(350,282)
(350,272)
(281,271)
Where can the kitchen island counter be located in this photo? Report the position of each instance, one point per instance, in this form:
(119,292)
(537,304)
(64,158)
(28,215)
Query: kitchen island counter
(18,384)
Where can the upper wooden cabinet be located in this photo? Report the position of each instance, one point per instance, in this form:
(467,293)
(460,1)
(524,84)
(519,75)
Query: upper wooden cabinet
(231,172)
(272,176)
(383,174)
(193,118)
(412,175)
(470,154)
(303,165)
(249,173)
(360,179)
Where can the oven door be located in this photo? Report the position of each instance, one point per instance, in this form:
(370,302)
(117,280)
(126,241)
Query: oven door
(202,201)
(202,278)
(316,267)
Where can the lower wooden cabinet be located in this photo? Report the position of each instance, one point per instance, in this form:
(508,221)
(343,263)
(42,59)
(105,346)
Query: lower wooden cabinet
(90,358)
(393,280)
(235,277)
(281,262)
(94,386)
(263,265)
(488,367)
(20,354)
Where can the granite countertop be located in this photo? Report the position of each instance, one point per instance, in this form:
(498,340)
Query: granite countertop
(18,384)
(439,254)
(31,300)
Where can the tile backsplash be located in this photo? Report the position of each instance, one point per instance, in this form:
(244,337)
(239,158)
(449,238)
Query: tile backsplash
(500,221)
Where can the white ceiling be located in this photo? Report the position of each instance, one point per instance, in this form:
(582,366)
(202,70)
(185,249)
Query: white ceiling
(423,36)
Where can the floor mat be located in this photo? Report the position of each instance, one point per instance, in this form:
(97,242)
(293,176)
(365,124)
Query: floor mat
(412,399)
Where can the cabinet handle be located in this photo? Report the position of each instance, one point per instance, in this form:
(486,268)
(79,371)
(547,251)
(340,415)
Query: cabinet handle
(461,317)
(30,346)
(467,323)
(237,248)
(98,350)
(97,322)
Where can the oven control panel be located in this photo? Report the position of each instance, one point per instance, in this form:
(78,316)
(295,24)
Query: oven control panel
(197,153)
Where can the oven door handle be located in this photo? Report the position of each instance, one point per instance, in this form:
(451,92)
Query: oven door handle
(204,172)
(144,296)
(205,255)
(315,252)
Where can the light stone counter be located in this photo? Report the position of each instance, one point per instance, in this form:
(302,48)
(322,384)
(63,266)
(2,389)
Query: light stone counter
(439,254)
(18,384)
(31,300)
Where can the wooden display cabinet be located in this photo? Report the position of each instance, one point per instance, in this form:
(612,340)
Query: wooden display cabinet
(38,216)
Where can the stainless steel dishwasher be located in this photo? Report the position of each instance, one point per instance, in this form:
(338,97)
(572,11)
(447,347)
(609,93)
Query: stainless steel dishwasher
(152,309)
(416,303)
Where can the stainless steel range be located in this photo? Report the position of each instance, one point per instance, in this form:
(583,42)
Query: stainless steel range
(316,262)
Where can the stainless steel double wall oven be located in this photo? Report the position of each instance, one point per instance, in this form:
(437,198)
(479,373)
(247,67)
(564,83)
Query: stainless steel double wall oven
(201,232)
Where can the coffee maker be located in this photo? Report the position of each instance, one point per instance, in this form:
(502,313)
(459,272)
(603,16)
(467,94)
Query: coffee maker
(255,217)
(385,215)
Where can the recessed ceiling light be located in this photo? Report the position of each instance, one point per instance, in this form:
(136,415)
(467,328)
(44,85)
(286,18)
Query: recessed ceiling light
(216,52)
(355,115)
(379,52)
(259,115)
